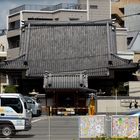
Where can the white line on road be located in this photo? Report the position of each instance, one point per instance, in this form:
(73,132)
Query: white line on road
(39,119)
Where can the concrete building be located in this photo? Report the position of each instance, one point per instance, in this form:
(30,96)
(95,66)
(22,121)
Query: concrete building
(119,12)
(3,55)
(117,104)
(127,15)
(132,17)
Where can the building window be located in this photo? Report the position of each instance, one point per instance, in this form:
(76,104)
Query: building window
(93,6)
(129,39)
(115,0)
(122,10)
(47,19)
(14,42)
(73,19)
(14,25)
(56,19)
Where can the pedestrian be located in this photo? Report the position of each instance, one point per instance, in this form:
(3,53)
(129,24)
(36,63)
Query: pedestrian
(130,105)
(136,104)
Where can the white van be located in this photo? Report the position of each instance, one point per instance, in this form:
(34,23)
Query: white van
(14,114)
(34,106)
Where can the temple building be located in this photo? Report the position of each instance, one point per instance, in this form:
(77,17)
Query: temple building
(69,47)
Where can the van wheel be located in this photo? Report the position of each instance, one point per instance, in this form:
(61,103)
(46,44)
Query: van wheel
(7,130)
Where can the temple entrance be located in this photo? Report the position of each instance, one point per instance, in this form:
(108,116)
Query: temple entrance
(66,100)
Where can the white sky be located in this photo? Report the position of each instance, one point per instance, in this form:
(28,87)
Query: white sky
(5,5)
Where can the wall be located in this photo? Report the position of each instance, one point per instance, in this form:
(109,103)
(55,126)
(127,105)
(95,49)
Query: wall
(116,105)
(121,38)
(132,20)
(3,55)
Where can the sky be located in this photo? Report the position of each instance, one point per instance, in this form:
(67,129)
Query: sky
(5,5)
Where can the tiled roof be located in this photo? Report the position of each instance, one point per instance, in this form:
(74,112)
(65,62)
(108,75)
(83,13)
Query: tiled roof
(120,63)
(18,63)
(70,47)
(67,47)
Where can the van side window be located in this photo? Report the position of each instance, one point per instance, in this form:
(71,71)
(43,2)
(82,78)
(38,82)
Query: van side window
(13,103)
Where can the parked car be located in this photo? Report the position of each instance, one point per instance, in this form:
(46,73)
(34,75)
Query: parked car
(34,106)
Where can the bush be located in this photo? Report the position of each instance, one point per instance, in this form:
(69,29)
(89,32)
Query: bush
(10,89)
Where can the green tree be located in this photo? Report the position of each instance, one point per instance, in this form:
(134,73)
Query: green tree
(10,89)
(121,89)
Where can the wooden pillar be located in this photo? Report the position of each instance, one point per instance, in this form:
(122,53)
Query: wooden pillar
(46,109)
(76,102)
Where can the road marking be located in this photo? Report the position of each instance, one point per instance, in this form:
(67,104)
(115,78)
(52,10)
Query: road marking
(39,119)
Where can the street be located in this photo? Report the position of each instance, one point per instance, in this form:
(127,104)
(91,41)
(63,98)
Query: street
(51,128)
(38,131)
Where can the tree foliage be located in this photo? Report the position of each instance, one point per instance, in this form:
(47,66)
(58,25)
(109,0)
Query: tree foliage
(10,89)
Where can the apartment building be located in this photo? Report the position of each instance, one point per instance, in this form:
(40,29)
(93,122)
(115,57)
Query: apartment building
(132,19)
(125,14)
(119,13)
(96,10)
(3,55)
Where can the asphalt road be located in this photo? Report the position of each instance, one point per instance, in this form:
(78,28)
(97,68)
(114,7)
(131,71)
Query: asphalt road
(38,131)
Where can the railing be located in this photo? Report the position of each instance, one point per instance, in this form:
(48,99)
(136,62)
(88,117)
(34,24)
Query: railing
(48,7)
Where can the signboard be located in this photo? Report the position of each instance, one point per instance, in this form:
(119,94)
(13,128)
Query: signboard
(125,126)
(91,126)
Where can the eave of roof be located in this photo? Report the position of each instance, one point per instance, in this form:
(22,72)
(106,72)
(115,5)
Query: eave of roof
(15,64)
(120,63)
(67,90)
(66,23)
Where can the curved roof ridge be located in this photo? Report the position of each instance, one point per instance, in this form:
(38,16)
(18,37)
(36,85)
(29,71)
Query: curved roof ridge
(15,59)
(17,63)
(122,59)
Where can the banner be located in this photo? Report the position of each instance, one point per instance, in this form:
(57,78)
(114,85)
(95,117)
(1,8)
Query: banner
(125,126)
(91,126)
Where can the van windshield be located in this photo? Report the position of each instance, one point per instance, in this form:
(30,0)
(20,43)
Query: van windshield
(14,103)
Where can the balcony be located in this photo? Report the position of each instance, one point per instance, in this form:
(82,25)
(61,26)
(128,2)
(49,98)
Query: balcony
(48,7)
(3,54)
(14,32)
